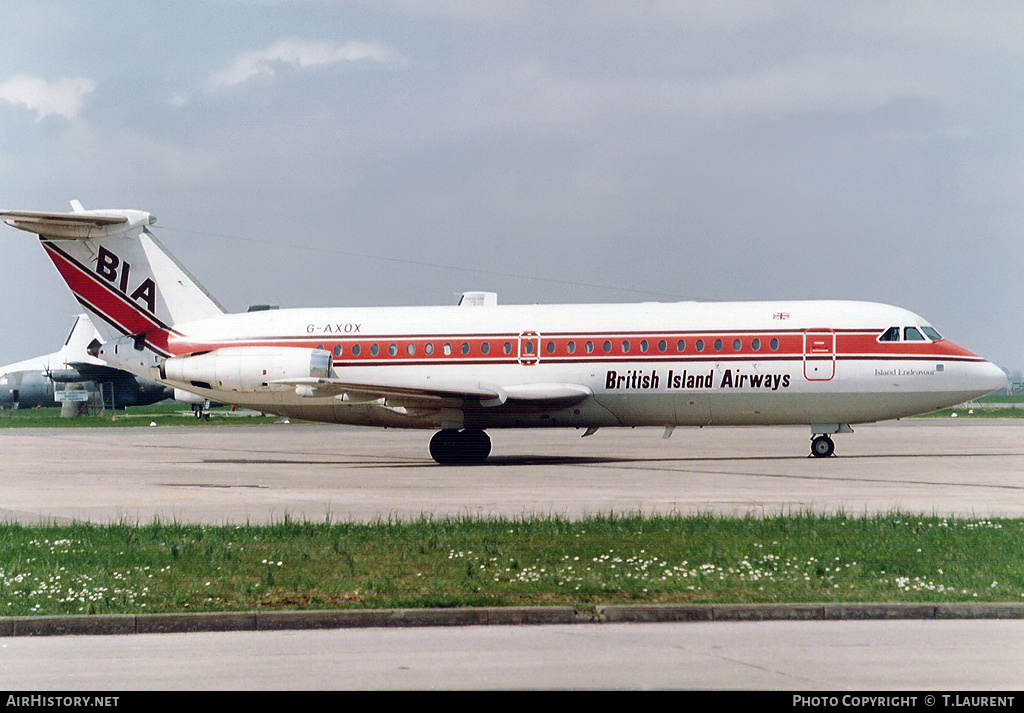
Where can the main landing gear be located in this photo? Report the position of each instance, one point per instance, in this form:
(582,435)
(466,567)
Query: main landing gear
(449,447)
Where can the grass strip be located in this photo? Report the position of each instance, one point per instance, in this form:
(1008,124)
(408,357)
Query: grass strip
(171,567)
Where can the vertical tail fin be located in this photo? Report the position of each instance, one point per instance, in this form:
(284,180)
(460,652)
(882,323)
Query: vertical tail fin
(119,272)
(82,334)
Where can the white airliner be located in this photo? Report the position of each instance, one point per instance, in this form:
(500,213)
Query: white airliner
(39,381)
(462,369)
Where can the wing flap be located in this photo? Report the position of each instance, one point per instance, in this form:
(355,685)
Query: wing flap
(554,393)
(428,391)
(419,391)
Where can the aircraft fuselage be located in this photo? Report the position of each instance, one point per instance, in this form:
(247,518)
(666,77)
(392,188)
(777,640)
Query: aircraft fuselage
(650,364)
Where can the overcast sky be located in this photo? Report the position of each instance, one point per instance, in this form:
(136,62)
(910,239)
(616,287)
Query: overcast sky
(389,153)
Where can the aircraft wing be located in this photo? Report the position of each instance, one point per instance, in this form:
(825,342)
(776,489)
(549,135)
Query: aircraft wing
(93,372)
(426,391)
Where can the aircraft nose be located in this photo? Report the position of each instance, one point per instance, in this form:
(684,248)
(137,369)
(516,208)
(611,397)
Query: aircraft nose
(985,378)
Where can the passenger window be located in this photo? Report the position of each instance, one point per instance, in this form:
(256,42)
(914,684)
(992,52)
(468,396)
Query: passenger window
(551,347)
(681,345)
(447,350)
(774,344)
(337,350)
(429,349)
(892,334)
(718,345)
(625,347)
(485,348)
(643,345)
(756,345)
(465,348)
(374,349)
(700,345)
(507,347)
(607,347)
(736,345)
(662,346)
(393,350)
(410,349)
(356,349)
(910,334)
(571,347)
(589,346)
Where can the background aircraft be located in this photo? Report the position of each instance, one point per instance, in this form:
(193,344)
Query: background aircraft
(32,382)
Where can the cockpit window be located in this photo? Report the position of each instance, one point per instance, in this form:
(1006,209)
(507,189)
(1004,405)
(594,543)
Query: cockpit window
(911,334)
(931,333)
(892,334)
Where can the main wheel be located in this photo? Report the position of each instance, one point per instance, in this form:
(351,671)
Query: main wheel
(449,446)
(822,446)
(476,445)
(442,446)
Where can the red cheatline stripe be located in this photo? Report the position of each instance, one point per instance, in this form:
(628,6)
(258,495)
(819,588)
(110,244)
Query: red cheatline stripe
(103,299)
(155,340)
(790,345)
(496,355)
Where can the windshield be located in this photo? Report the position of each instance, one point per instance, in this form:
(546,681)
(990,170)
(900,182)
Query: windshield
(909,334)
(892,334)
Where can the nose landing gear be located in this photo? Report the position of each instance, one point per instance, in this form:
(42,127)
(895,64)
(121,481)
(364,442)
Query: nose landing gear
(822,446)
(451,447)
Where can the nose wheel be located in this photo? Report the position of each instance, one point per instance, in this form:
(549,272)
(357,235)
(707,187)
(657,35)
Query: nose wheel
(822,446)
(450,447)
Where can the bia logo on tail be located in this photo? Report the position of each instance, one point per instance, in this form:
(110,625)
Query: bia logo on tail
(117,271)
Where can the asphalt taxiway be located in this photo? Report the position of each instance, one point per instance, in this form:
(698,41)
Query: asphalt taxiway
(230,474)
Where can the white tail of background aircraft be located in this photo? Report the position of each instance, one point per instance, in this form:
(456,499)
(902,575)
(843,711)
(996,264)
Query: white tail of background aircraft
(462,369)
(41,380)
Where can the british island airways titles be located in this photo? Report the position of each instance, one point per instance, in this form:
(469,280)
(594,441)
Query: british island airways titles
(730,379)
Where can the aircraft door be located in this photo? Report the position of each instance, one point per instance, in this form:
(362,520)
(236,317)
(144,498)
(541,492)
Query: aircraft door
(819,354)
(529,348)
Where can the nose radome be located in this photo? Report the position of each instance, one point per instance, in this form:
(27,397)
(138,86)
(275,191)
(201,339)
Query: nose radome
(986,377)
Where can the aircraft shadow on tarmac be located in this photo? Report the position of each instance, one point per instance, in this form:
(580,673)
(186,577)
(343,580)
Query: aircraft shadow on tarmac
(559,460)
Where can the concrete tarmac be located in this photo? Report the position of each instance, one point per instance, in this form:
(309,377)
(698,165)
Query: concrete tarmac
(844,657)
(228,474)
(263,473)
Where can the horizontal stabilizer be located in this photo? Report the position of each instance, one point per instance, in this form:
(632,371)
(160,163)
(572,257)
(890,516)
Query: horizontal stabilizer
(78,225)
